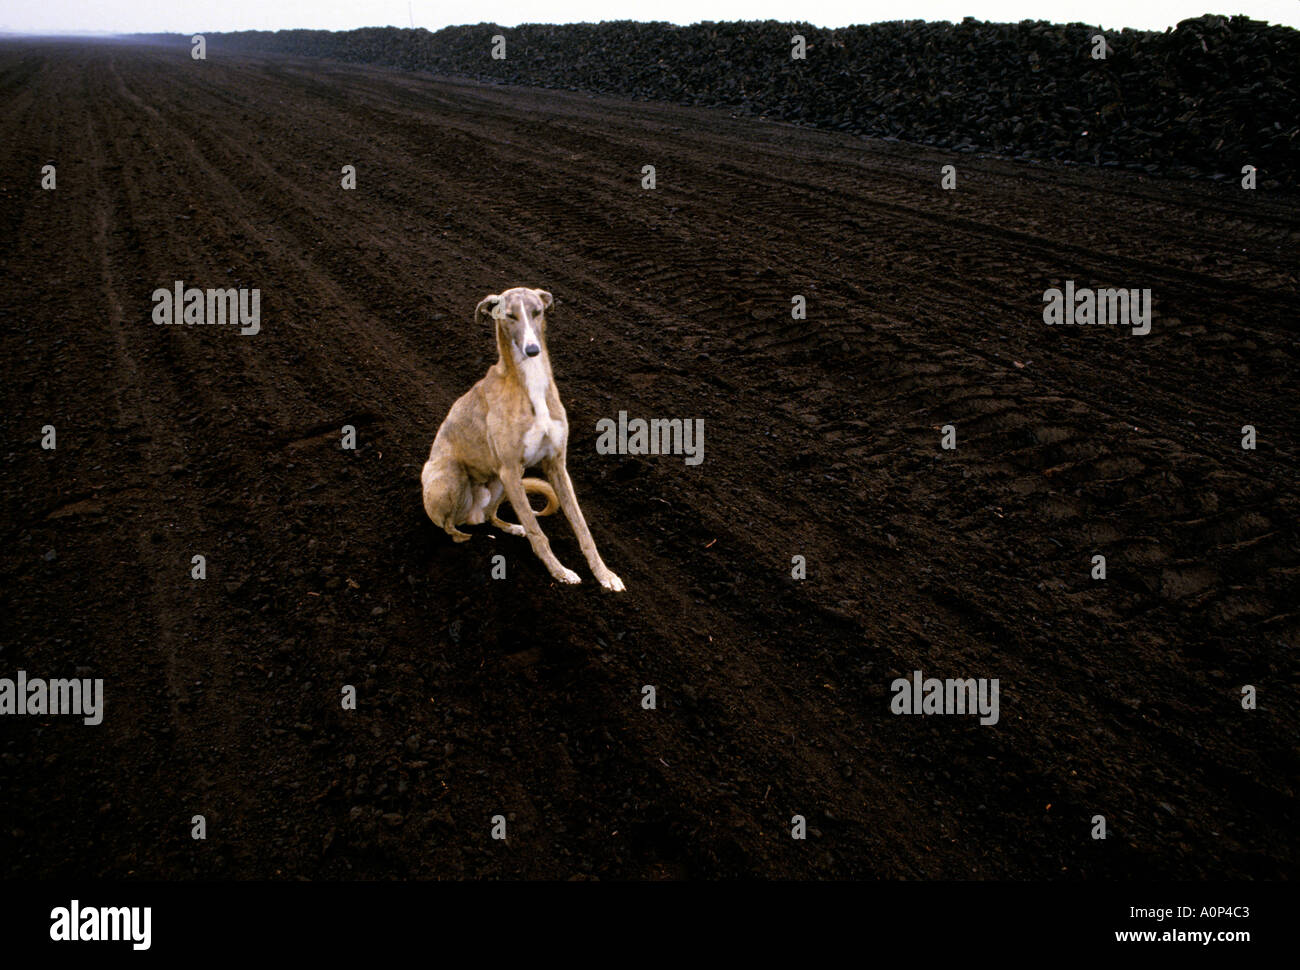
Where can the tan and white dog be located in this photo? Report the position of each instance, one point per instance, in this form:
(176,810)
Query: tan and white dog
(510,420)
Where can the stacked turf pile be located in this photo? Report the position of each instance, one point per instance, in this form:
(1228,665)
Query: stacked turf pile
(1206,98)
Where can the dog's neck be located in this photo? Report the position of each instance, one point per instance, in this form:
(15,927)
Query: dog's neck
(531,375)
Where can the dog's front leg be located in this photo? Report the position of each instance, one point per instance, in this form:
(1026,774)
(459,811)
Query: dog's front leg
(558,475)
(511,478)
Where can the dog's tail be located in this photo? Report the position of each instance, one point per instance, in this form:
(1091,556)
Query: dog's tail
(540,487)
(543,488)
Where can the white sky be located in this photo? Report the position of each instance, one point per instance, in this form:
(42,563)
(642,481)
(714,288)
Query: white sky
(186,16)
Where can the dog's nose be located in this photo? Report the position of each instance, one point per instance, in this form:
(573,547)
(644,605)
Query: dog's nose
(532,350)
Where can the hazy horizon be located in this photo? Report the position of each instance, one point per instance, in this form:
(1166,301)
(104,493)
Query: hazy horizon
(123,17)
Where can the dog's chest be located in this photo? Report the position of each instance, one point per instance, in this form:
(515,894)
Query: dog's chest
(545,436)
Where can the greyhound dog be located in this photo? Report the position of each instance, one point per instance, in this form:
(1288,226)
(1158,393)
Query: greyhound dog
(510,420)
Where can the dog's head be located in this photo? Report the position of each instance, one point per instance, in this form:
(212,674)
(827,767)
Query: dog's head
(520,315)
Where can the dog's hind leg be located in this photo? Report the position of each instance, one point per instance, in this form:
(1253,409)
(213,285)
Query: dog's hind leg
(531,485)
(498,494)
(480,499)
(446,492)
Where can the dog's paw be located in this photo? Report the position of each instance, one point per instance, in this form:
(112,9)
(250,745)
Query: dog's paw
(568,576)
(613,583)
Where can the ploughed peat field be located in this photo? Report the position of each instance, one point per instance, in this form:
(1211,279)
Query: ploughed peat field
(520,697)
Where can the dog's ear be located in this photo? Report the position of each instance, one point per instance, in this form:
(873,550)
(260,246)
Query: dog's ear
(545,298)
(486,306)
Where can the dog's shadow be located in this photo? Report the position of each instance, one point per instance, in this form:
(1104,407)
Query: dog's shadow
(470,565)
